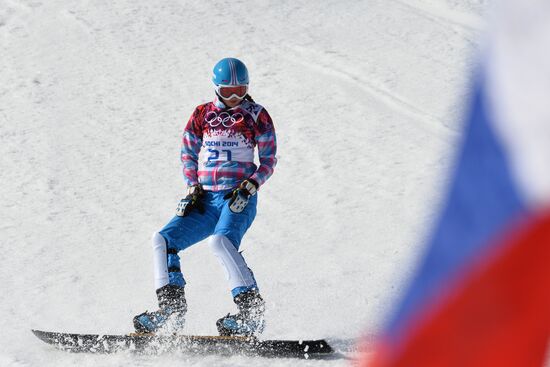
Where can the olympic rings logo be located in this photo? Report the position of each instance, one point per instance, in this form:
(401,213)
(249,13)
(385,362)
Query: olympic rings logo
(224,118)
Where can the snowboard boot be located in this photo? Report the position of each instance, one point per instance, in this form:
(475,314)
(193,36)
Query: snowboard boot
(170,317)
(249,321)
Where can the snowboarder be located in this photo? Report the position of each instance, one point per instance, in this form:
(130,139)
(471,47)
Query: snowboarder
(217,153)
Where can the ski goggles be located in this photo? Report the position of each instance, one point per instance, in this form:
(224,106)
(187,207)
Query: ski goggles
(230,91)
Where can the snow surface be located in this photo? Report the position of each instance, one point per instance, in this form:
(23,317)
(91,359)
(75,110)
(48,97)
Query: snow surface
(366,97)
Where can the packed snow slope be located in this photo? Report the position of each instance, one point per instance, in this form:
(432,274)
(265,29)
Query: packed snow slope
(366,97)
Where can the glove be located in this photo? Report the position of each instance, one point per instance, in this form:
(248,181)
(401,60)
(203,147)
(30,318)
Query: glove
(239,196)
(193,200)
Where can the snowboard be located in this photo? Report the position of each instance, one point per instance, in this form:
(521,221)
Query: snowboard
(191,344)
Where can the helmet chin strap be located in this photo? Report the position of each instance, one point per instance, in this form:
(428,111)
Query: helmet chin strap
(218,101)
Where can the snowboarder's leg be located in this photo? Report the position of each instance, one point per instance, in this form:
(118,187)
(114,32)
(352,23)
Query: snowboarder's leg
(239,275)
(177,235)
(234,225)
(225,244)
(169,283)
(164,261)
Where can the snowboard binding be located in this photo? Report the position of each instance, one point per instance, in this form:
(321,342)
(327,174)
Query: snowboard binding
(169,318)
(249,321)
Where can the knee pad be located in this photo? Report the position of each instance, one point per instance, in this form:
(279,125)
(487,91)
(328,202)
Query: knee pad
(160,262)
(238,273)
(158,242)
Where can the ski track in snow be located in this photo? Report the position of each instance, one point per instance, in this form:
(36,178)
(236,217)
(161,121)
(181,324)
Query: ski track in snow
(366,99)
(391,100)
(444,14)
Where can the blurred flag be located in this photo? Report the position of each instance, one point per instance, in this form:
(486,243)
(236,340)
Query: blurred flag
(481,296)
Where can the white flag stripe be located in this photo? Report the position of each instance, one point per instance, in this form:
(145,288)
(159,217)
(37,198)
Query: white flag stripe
(518,88)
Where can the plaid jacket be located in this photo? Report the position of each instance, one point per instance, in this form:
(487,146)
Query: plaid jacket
(218,146)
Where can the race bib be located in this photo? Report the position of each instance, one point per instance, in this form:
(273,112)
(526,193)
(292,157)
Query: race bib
(223,147)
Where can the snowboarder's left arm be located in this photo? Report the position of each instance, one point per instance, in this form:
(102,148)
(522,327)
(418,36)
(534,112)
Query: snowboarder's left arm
(190,148)
(266,141)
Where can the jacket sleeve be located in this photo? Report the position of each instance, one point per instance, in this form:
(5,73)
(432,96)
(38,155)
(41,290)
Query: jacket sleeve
(266,141)
(190,148)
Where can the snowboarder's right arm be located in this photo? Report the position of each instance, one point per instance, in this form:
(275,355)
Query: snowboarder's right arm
(190,148)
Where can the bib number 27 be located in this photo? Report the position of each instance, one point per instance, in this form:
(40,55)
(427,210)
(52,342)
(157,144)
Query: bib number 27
(215,154)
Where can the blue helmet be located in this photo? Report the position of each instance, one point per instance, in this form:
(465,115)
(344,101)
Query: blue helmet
(230,71)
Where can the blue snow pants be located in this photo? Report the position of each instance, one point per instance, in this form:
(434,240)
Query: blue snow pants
(183,232)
